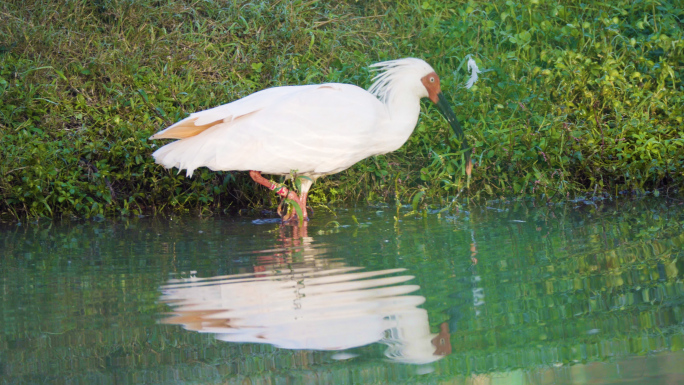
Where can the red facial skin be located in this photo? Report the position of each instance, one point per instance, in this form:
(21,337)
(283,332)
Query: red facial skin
(431,83)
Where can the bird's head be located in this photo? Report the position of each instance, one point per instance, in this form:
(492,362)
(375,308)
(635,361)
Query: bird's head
(407,72)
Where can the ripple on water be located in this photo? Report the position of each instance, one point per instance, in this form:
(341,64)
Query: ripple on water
(509,291)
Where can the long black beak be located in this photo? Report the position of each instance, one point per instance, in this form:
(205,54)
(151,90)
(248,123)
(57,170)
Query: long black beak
(450,117)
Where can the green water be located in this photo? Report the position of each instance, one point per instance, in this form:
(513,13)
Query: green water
(500,294)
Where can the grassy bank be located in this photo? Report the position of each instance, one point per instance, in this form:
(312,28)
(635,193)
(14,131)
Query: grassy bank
(578,97)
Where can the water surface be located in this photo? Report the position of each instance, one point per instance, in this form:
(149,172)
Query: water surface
(507,293)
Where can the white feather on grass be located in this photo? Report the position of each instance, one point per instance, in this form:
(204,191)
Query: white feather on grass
(474,70)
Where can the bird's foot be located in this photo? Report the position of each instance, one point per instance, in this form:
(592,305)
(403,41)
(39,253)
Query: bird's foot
(290,215)
(293,219)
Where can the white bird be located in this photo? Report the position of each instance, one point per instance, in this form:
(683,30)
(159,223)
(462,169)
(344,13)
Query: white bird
(310,130)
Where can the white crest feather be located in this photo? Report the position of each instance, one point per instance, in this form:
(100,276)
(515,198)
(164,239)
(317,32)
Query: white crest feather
(393,71)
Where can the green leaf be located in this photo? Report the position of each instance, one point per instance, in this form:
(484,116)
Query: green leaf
(257,67)
(144,95)
(297,209)
(416,199)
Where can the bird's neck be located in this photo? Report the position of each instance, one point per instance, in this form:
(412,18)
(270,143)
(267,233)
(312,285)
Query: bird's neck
(403,115)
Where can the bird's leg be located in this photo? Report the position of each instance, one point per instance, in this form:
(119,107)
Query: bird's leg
(283,192)
(305,185)
(303,197)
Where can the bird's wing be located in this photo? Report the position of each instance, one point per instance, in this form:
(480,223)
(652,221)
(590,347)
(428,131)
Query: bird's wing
(200,121)
(318,130)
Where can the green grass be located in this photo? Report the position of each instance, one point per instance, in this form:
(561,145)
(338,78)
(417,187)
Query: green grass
(580,97)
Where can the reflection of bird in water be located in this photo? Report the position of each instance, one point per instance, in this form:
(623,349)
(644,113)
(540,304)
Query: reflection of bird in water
(308,309)
(321,308)
(410,340)
(294,240)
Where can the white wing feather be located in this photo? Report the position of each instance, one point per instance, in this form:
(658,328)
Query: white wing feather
(200,121)
(318,130)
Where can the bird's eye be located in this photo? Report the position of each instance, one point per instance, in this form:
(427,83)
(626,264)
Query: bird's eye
(432,80)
